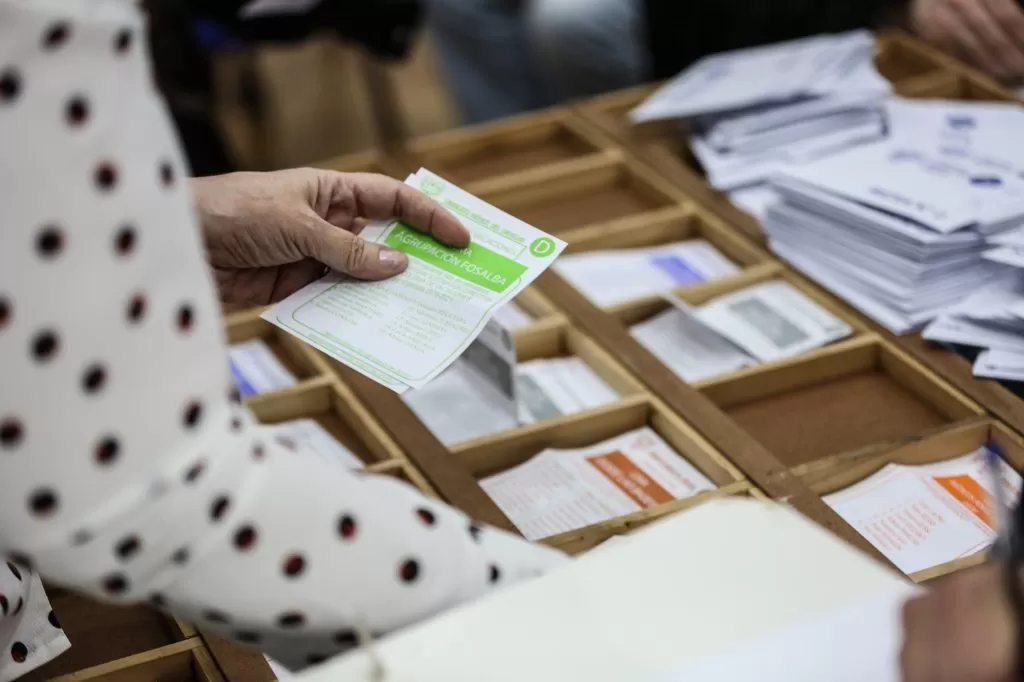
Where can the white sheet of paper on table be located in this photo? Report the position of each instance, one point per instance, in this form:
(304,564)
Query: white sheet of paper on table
(257,369)
(608,277)
(404,331)
(561,490)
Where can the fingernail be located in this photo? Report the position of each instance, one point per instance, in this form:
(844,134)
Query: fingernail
(391,259)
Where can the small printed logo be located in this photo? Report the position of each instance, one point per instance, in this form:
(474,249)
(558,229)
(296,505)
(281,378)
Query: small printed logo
(962,122)
(432,187)
(986,181)
(542,247)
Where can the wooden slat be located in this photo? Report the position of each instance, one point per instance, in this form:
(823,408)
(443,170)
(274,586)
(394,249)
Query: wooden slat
(236,662)
(98,672)
(756,463)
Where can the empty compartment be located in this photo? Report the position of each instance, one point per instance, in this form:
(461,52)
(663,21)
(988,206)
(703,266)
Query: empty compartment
(629,458)
(327,421)
(864,393)
(465,156)
(558,372)
(101,633)
(926,506)
(265,358)
(606,190)
(644,256)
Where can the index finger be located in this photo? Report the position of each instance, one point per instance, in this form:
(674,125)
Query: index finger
(379,197)
(1009,15)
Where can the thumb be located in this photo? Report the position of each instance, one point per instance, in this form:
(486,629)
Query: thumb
(352,255)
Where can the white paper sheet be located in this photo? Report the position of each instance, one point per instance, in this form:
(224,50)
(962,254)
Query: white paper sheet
(562,490)
(608,277)
(554,387)
(1000,364)
(513,317)
(256,369)
(772,320)
(404,331)
(923,516)
(689,348)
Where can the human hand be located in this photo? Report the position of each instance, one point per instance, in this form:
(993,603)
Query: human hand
(989,34)
(961,631)
(269,234)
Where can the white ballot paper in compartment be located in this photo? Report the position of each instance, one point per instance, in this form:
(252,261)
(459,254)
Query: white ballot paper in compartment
(1000,364)
(312,434)
(404,331)
(477,395)
(608,277)
(256,369)
(549,388)
(755,610)
(770,321)
(685,345)
(562,490)
(926,515)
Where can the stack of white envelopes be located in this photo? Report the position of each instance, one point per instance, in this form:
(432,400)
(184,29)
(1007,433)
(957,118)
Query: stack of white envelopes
(752,111)
(896,228)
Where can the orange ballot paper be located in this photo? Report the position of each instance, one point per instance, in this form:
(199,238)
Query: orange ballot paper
(562,490)
(926,515)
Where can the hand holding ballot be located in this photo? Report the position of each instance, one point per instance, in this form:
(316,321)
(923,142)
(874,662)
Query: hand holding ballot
(987,33)
(961,631)
(270,234)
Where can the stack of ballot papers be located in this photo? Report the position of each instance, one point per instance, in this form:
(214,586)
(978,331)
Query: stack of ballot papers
(609,277)
(405,331)
(897,232)
(761,323)
(755,110)
(562,490)
(256,369)
(313,435)
(922,516)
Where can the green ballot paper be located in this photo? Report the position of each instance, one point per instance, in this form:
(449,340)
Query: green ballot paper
(404,331)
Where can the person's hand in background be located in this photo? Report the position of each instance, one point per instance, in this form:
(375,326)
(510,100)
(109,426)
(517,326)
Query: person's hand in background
(961,631)
(988,34)
(268,235)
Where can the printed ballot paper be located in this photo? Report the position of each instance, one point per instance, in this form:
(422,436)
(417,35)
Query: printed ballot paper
(685,345)
(1000,364)
(562,490)
(608,277)
(312,434)
(404,331)
(926,515)
(256,369)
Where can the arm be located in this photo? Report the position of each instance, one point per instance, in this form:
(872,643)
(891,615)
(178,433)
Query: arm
(125,471)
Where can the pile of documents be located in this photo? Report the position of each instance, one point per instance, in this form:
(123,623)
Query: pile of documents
(923,516)
(487,392)
(405,331)
(898,228)
(754,110)
(613,276)
(761,323)
(562,490)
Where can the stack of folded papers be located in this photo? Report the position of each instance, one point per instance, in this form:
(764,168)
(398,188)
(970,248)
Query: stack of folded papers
(905,229)
(755,110)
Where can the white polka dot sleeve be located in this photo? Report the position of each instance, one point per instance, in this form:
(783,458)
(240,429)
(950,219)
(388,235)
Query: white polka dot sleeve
(125,471)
